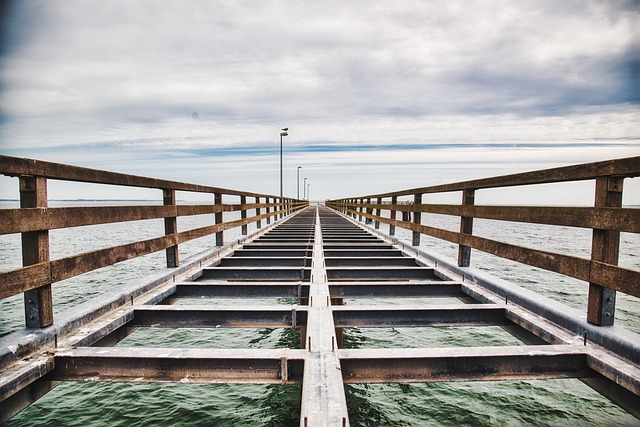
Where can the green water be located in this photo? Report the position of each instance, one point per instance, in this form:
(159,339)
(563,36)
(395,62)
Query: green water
(565,402)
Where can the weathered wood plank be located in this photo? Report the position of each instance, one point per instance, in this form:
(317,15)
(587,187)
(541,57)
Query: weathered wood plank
(13,166)
(622,279)
(620,219)
(20,280)
(38,302)
(34,219)
(628,167)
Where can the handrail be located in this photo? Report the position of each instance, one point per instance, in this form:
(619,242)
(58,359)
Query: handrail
(607,219)
(35,218)
(627,168)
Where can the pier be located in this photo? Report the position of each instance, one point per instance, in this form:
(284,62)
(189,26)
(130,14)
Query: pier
(316,256)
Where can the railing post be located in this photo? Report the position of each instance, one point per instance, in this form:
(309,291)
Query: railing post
(417,217)
(38,303)
(466,227)
(243,214)
(281,206)
(258,222)
(171,227)
(605,246)
(377,223)
(369,210)
(360,208)
(217,199)
(392,215)
(267,201)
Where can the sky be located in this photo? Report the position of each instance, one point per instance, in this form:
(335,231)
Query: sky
(378,96)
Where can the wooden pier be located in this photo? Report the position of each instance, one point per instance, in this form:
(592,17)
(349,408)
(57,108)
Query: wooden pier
(317,256)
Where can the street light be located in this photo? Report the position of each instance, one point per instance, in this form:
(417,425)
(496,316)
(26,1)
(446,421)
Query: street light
(298,181)
(308,191)
(283,133)
(304,188)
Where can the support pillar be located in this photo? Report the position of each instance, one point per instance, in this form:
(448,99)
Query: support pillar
(268,210)
(466,227)
(243,214)
(417,218)
(605,245)
(392,215)
(258,222)
(219,219)
(38,302)
(171,227)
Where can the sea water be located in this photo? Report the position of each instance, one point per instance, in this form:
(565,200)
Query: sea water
(565,402)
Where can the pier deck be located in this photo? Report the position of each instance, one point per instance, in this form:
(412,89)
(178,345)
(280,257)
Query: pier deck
(313,258)
(310,258)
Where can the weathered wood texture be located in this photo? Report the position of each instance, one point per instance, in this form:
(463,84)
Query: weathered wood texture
(38,301)
(34,219)
(607,219)
(629,167)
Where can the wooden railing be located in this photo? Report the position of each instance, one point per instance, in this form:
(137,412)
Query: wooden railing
(34,219)
(607,219)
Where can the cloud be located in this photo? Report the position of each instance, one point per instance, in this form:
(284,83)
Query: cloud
(368,86)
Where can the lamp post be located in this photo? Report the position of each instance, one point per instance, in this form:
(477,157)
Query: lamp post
(308,191)
(298,181)
(304,188)
(283,133)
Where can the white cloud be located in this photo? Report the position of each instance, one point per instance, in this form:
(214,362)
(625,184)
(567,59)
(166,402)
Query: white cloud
(113,85)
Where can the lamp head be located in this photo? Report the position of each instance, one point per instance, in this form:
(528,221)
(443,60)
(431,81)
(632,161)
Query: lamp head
(283,134)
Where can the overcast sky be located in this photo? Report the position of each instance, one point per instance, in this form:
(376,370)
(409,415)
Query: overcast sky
(378,95)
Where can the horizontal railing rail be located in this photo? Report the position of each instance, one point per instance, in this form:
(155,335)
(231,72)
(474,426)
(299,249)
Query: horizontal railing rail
(35,218)
(607,218)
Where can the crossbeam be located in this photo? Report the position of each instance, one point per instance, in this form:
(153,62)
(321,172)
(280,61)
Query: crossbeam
(403,316)
(178,365)
(191,316)
(241,289)
(463,364)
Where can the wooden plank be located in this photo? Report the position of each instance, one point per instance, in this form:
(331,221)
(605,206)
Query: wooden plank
(17,281)
(622,279)
(171,227)
(466,227)
(38,302)
(627,167)
(616,278)
(33,219)
(243,213)
(13,166)
(78,264)
(606,218)
(604,248)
